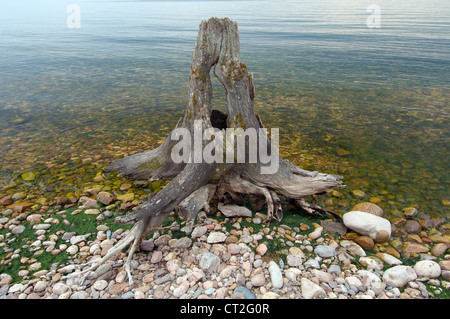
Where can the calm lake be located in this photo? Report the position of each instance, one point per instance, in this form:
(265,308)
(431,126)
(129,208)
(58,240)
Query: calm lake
(371,104)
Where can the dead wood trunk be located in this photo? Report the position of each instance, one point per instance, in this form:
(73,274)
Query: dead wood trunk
(194,185)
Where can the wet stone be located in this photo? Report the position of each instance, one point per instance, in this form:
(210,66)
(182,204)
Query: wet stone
(412,226)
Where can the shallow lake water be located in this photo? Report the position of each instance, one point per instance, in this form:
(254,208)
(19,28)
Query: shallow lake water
(371,104)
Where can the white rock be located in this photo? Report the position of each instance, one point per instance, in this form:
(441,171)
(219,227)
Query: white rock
(156,256)
(173,265)
(18,229)
(325,251)
(94,248)
(270,295)
(36,243)
(398,276)
(353,248)
(389,259)
(365,223)
(5,279)
(209,262)
(234,249)
(181,289)
(294,260)
(72,250)
(40,286)
(312,263)
(35,266)
(354,281)
(316,233)
(226,272)
(77,239)
(378,287)
(183,243)
(427,268)
(292,274)
(216,237)
(198,231)
(79,295)
(310,290)
(234,210)
(322,275)
(42,226)
(100,285)
(60,288)
(258,280)
(16,288)
(371,263)
(372,276)
(65,295)
(275,275)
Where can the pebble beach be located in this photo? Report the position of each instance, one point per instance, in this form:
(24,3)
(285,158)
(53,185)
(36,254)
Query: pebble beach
(239,257)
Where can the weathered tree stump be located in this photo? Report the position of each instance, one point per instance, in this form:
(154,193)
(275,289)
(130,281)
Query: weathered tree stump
(195,185)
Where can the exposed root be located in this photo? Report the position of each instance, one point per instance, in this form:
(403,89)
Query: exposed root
(242,186)
(194,203)
(139,231)
(312,209)
(152,165)
(122,244)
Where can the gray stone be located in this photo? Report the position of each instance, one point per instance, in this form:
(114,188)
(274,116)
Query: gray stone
(147,245)
(310,290)
(275,275)
(183,243)
(101,270)
(372,276)
(334,269)
(156,257)
(209,262)
(18,230)
(294,260)
(40,286)
(312,263)
(79,295)
(68,235)
(334,227)
(198,232)
(216,237)
(258,280)
(245,291)
(100,285)
(234,210)
(16,288)
(78,239)
(210,291)
(325,251)
(427,269)
(164,279)
(399,276)
(127,295)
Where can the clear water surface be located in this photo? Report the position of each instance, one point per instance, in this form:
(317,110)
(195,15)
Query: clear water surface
(371,104)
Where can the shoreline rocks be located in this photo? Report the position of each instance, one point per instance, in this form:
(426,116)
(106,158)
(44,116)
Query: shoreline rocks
(377,228)
(227,259)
